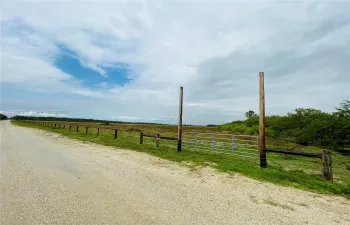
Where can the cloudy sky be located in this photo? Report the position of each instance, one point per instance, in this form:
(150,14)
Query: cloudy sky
(125,60)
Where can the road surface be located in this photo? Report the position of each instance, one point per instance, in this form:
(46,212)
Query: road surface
(49,179)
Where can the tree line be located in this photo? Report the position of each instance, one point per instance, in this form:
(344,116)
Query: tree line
(3,117)
(305,126)
(68,119)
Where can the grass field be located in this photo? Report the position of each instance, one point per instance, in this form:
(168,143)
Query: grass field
(295,171)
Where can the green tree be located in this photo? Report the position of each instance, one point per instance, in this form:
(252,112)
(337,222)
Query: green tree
(250,114)
(304,126)
(3,117)
(344,109)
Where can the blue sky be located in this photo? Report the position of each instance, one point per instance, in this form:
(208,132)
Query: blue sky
(125,60)
(116,75)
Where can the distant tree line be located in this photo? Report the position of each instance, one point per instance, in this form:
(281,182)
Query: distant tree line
(66,119)
(304,126)
(3,117)
(103,122)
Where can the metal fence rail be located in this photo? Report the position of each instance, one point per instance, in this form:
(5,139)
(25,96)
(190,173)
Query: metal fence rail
(239,145)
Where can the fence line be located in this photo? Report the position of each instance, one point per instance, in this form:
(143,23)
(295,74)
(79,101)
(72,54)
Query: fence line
(245,146)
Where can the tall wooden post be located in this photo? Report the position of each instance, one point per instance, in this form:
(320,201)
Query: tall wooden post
(179,130)
(98,131)
(70,127)
(262,141)
(327,172)
(77,128)
(86,130)
(115,134)
(157,140)
(141,137)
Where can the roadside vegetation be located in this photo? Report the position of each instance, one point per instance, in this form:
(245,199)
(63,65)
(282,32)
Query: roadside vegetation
(295,171)
(306,127)
(3,117)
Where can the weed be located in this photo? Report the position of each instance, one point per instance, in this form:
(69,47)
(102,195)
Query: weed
(347,166)
(276,204)
(270,202)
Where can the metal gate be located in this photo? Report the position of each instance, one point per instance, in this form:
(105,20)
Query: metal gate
(239,145)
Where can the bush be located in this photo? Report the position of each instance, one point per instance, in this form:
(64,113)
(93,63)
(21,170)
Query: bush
(306,126)
(3,117)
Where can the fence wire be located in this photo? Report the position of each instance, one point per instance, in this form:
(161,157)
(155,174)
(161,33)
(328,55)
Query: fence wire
(245,146)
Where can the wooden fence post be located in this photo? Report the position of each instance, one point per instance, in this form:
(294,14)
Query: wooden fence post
(70,127)
(64,126)
(98,131)
(326,164)
(86,130)
(55,125)
(179,129)
(157,140)
(115,134)
(77,128)
(141,137)
(262,143)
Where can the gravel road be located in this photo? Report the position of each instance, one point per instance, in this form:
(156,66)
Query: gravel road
(49,179)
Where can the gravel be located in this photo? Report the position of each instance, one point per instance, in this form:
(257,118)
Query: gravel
(49,179)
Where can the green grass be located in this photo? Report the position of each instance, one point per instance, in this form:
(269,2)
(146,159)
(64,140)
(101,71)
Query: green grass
(298,172)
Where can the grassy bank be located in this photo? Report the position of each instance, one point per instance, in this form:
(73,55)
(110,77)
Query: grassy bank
(303,173)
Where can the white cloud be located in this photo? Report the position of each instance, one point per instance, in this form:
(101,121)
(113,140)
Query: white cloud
(213,49)
(95,68)
(103,85)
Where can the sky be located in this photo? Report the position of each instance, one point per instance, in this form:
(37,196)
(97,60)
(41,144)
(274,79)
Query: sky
(126,60)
